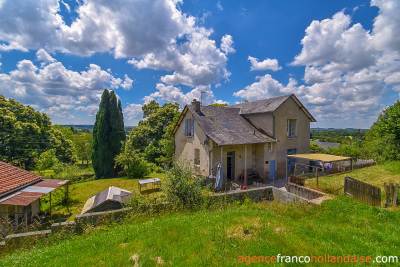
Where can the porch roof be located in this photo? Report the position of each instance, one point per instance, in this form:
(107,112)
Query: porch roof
(28,194)
(320,157)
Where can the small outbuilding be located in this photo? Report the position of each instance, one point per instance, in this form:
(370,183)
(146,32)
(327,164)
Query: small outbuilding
(20,193)
(111,198)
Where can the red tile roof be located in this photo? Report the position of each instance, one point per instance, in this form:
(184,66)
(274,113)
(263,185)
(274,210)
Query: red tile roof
(12,177)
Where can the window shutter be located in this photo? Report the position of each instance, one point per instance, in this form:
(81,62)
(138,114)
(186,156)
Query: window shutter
(186,128)
(192,128)
(288,127)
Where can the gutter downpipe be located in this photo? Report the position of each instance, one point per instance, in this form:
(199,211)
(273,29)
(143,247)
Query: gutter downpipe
(209,158)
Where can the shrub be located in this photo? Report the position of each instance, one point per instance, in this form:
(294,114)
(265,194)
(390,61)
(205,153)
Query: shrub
(183,186)
(134,165)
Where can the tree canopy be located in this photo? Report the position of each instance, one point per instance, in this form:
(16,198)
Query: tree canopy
(26,133)
(152,137)
(382,141)
(108,135)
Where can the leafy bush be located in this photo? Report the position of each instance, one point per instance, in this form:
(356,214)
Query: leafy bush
(183,186)
(134,165)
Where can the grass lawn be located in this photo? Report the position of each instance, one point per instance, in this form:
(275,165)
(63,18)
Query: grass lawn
(80,192)
(376,175)
(338,227)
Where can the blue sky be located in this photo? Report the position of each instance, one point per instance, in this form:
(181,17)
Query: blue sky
(340,58)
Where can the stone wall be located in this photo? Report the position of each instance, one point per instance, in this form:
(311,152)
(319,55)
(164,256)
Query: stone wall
(97,218)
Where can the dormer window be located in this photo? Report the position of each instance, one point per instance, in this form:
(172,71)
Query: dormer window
(291,128)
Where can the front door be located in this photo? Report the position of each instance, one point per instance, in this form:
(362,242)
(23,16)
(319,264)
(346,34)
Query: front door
(230,165)
(272,169)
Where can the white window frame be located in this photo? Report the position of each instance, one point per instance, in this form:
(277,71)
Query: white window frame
(292,123)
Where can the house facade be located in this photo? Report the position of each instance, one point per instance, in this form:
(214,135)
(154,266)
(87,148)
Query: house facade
(248,138)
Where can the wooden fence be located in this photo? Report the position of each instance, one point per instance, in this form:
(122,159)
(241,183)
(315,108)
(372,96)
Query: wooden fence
(362,191)
(391,192)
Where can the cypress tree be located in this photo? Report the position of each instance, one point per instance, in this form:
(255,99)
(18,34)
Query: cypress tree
(108,132)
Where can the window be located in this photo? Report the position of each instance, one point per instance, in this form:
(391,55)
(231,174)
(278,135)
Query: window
(291,128)
(270,147)
(189,127)
(197,156)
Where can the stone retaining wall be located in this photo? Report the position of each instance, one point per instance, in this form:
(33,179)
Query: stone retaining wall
(296,194)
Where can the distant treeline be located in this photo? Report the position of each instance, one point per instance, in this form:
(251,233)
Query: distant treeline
(90,127)
(336,135)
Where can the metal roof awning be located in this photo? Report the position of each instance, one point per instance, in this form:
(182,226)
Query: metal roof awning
(320,157)
(27,195)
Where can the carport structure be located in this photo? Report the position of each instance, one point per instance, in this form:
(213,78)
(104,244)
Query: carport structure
(20,193)
(321,162)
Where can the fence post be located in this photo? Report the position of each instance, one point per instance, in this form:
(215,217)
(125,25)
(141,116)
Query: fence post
(386,194)
(396,191)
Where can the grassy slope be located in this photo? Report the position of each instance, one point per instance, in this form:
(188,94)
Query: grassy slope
(376,175)
(80,192)
(216,238)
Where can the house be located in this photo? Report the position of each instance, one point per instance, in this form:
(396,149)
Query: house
(20,193)
(247,138)
(111,198)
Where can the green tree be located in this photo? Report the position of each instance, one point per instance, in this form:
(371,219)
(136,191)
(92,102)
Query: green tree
(134,165)
(152,137)
(218,105)
(382,141)
(26,133)
(83,145)
(315,148)
(108,133)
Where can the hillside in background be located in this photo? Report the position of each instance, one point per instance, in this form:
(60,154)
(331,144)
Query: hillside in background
(90,127)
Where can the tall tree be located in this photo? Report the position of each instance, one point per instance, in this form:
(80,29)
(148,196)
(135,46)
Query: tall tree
(152,137)
(108,133)
(26,133)
(382,141)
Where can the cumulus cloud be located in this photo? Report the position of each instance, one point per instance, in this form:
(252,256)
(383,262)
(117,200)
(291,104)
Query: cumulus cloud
(333,43)
(347,68)
(153,34)
(266,87)
(266,64)
(226,44)
(170,93)
(44,57)
(55,89)
(133,111)
(195,62)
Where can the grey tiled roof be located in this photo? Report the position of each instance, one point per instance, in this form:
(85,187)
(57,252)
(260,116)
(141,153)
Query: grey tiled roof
(261,106)
(225,126)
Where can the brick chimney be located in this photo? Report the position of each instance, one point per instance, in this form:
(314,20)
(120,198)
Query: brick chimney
(196,105)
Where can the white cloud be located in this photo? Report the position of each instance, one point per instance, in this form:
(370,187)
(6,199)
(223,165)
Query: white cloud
(170,93)
(127,84)
(195,62)
(266,64)
(349,68)
(28,24)
(336,45)
(386,28)
(133,112)
(90,109)
(226,44)
(42,55)
(154,34)
(219,6)
(55,89)
(266,87)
